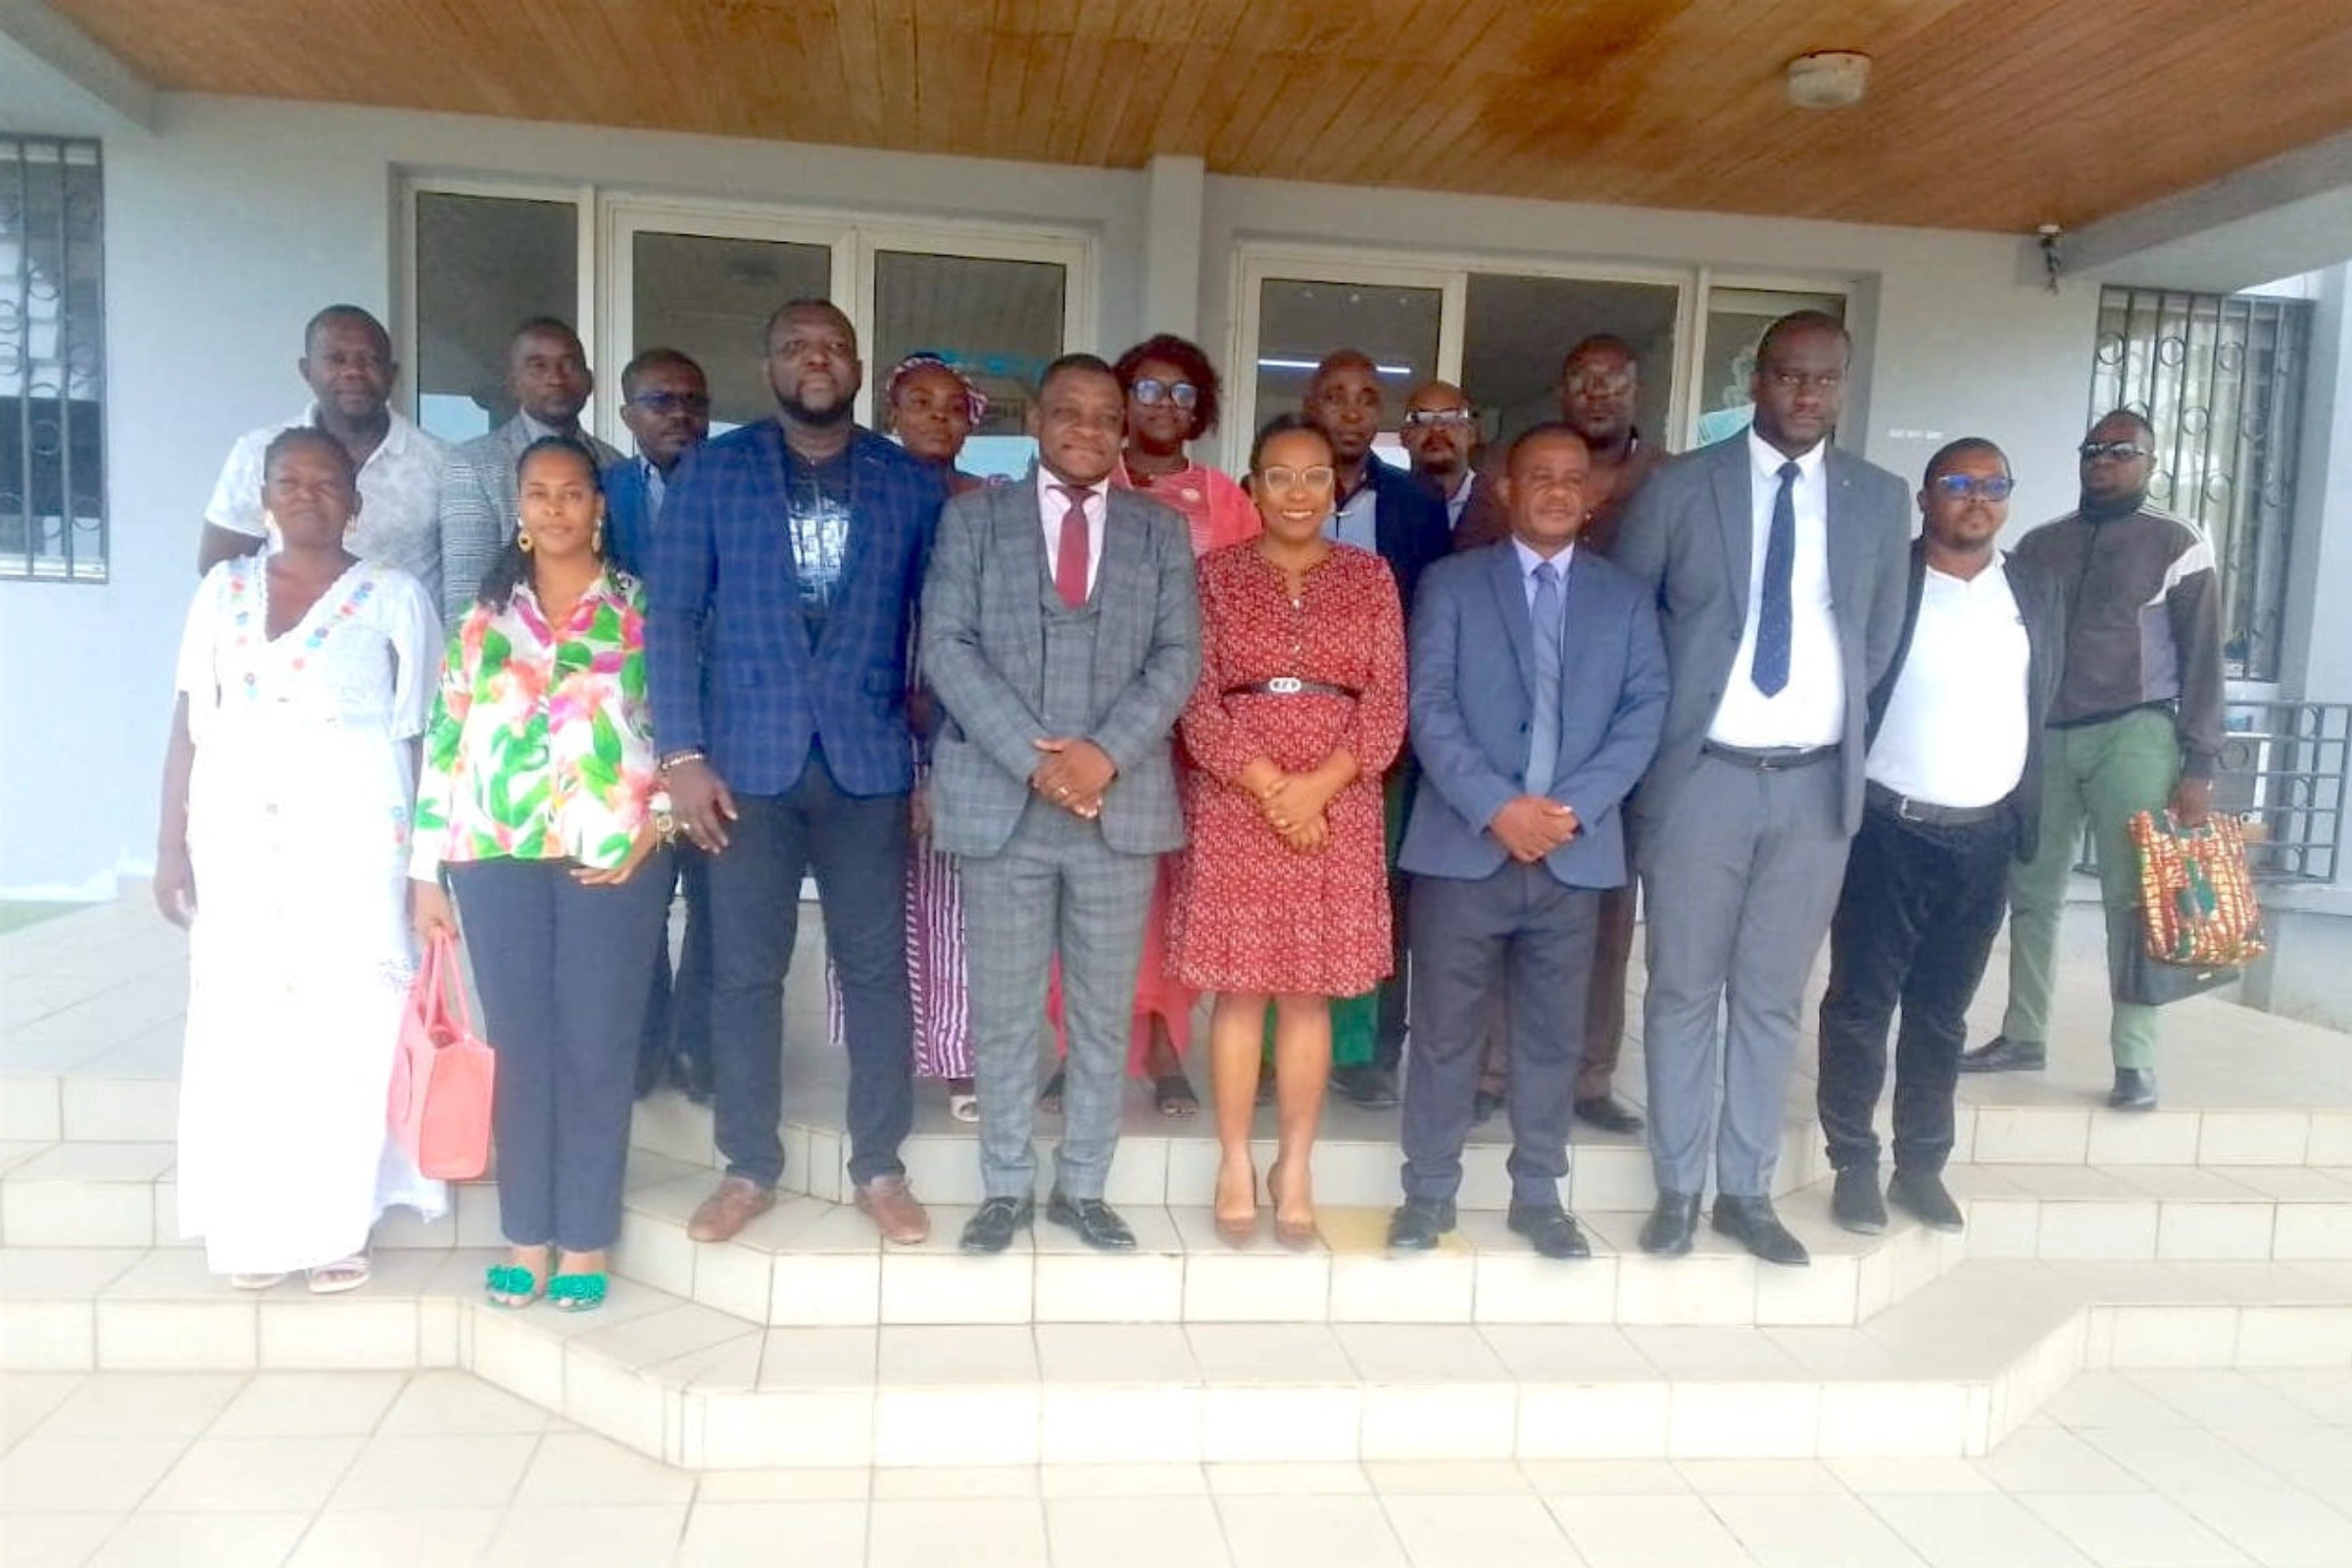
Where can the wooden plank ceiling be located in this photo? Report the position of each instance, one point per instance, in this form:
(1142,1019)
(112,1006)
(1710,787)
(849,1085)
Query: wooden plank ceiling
(1983,114)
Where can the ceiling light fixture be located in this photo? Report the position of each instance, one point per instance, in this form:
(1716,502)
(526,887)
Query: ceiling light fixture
(1829,78)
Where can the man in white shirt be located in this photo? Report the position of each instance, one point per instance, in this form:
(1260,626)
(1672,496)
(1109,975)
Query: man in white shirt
(1952,795)
(347,364)
(1441,434)
(1779,566)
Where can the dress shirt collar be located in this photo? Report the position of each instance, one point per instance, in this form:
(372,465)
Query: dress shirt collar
(1530,558)
(396,432)
(1053,502)
(1767,458)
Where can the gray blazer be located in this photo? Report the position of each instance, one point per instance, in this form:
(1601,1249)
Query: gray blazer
(1470,717)
(983,651)
(478,507)
(1689,535)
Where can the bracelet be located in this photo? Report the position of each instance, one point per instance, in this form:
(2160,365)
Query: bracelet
(691,755)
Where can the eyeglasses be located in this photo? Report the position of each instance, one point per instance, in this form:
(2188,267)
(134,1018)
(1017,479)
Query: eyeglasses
(1439,418)
(2119,451)
(1959,486)
(672,402)
(1318,477)
(1609,381)
(1152,391)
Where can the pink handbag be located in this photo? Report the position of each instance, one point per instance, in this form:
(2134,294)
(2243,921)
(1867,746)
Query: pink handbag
(442,1073)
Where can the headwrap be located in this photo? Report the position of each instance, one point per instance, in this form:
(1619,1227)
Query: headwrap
(975,401)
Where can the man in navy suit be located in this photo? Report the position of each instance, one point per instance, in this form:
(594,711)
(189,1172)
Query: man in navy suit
(1387,511)
(785,574)
(665,402)
(1538,693)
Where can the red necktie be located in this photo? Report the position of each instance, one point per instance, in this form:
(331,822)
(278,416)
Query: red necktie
(1070,562)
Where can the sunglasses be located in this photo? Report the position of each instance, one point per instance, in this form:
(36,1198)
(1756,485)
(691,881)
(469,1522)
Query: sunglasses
(1609,381)
(1319,477)
(1959,486)
(1439,418)
(672,402)
(1152,391)
(2119,451)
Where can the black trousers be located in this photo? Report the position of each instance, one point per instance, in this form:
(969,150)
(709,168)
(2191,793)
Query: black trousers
(677,1015)
(856,844)
(563,971)
(1521,935)
(1915,923)
(1393,1019)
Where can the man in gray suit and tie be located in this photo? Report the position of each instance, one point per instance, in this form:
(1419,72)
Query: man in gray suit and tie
(1780,566)
(1061,635)
(1538,691)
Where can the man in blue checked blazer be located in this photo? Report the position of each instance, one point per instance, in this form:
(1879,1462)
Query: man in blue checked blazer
(785,571)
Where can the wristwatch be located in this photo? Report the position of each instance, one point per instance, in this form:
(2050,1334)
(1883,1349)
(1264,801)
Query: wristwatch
(665,822)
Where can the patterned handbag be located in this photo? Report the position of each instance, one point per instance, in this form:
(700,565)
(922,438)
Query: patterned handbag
(2196,898)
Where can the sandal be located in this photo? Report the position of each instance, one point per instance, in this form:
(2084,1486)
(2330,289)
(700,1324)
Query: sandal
(1049,1099)
(256,1282)
(577,1292)
(962,1103)
(344,1274)
(1173,1094)
(512,1286)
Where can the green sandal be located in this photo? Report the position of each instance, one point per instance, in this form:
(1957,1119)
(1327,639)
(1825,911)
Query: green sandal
(577,1292)
(511,1279)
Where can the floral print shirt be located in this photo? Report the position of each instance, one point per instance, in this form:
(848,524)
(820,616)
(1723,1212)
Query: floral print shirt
(541,742)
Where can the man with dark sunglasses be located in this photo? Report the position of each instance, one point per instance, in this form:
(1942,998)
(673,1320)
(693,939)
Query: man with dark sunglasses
(1952,795)
(2135,727)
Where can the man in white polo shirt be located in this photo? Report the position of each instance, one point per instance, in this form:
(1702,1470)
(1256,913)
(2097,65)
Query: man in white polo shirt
(1953,794)
(347,363)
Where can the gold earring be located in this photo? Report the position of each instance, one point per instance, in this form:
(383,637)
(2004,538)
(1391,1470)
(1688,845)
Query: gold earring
(523,541)
(596,540)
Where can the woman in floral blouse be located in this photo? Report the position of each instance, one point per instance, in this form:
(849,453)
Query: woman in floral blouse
(538,800)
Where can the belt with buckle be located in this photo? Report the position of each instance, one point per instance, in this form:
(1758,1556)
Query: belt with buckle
(1292,686)
(1768,759)
(1927,813)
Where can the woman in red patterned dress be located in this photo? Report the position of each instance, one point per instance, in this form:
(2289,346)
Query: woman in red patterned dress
(1283,892)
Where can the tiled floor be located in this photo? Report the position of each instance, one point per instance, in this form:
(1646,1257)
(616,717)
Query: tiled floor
(348,1470)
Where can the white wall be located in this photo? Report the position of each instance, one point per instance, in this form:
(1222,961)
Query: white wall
(226,229)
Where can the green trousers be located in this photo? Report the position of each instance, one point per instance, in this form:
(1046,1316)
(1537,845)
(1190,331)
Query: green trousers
(2105,773)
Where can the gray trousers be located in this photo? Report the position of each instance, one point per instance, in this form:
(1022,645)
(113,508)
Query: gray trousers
(1741,883)
(1056,888)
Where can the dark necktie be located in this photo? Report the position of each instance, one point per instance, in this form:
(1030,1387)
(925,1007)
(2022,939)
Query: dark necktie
(1775,616)
(1070,562)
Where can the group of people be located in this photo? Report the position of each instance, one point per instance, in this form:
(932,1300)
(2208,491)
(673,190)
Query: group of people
(1091,744)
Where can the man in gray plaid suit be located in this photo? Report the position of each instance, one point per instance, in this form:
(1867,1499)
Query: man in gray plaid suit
(1061,635)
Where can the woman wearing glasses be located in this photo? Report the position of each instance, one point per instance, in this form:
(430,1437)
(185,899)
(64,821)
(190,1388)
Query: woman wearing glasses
(1283,892)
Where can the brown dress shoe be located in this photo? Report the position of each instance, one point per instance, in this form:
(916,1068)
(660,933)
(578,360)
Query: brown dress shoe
(732,1204)
(895,1212)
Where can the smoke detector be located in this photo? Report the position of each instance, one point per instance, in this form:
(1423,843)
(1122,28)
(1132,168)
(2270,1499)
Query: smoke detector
(1829,78)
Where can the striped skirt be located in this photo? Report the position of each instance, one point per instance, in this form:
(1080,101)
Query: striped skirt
(935,983)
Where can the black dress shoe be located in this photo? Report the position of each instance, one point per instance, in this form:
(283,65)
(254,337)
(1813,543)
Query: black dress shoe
(2134,1090)
(1482,1107)
(1922,1192)
(1604,1111)
(1671,1225)
(2001,1053)
(1418,1223)
(1371,1087)
(992,1229)
(1550,1230)
(1854,1202)
(690,1071)
(1751,1223)
(1096,1223)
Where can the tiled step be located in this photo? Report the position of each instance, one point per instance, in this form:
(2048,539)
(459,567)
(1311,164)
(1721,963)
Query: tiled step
(2284,1213)
(1946,1373)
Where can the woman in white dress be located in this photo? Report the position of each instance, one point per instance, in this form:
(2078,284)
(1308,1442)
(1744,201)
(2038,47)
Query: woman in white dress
(305,677)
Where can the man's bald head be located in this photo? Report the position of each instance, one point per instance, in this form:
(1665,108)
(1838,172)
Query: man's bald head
(1441,431)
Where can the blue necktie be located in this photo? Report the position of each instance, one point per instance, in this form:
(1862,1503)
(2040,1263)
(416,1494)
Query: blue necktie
(1775,617)
(1543,725)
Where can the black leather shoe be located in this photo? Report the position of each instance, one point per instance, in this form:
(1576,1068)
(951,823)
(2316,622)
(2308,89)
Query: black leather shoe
(1373,1088)
(1484,1106)
(1854,1202)
(1604,1111)
(1418,1222)
(1096,1223)
(1922,1192)
(1751,1223)
(690,1071)
(1550,1230)
(2134,1090)
(992,1229)
(1671,1225)
(2001,1053)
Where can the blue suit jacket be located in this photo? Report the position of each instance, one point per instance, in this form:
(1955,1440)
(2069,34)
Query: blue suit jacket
(731,665)
(1409,527)
(628,519)
(1473,681)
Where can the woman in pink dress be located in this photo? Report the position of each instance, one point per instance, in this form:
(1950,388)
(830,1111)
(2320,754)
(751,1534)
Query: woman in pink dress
(1283,892)
(1171,402)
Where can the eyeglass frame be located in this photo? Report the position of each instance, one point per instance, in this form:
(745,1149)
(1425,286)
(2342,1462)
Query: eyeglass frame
(1184,394)
(670,402)
(1439,418)
(2119,451)
(1289,478)
(1963,486)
